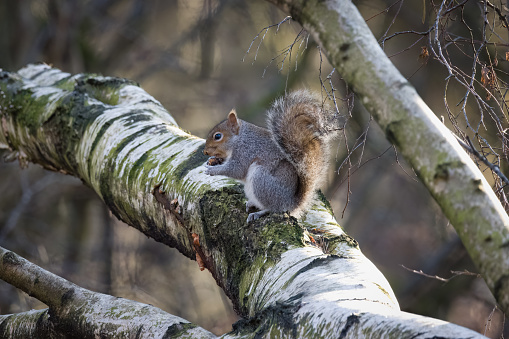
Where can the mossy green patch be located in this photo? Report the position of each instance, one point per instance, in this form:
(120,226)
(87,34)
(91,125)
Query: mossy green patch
(128,140)
(197,158)
(69,122)
(143,163)
(344,238)
(263,242)
(326,202)
(67,83)
(166,164)
(178,330)
(105,89)
(21,106)
(176,140)
(99,136)
(277,318)
(61,128)
(138,166)
(105,188)
(275,234)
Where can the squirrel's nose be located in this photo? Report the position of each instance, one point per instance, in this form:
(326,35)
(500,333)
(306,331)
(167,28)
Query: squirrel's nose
(205,152)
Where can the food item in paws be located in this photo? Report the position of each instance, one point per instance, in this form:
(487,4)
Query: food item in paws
(213,161)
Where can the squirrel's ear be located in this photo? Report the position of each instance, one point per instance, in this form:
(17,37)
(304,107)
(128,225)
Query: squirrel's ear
(233,122)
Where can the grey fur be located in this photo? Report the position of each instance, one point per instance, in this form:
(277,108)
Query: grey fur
(281,166)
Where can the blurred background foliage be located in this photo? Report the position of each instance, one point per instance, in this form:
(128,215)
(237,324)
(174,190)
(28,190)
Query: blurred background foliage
(191,56)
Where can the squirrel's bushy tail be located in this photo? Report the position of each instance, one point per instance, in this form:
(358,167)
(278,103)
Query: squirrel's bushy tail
(301,125)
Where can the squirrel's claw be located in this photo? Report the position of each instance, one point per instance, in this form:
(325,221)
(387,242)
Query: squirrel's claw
(256,215)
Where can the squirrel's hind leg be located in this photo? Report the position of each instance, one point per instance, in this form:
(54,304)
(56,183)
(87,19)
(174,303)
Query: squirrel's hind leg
(270,190)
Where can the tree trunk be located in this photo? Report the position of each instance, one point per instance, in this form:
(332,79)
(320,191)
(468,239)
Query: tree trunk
(125,146)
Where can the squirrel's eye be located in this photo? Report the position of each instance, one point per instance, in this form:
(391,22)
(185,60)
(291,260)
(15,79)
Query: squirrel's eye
(218,136)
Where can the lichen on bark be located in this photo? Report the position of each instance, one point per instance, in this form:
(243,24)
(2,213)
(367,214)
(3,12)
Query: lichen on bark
(150,173)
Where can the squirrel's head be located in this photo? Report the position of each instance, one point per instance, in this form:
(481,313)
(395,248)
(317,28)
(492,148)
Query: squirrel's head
(216,144)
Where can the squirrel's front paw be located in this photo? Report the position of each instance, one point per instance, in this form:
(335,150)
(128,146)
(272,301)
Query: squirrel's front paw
(209,170)
(213,170)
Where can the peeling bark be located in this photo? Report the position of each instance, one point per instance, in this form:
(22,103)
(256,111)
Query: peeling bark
(124,145)
(452,178)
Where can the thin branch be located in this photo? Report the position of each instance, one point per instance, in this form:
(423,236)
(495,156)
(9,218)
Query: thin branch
(487,326)
(264,30)
(436,277)
(471,149)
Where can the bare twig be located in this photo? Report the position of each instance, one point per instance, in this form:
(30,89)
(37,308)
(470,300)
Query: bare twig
(420,272)
(471,149)
(264,30)
(391,24)
(436,277)
(488,321)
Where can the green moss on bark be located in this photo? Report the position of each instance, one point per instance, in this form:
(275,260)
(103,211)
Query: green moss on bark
(325,202)
(343,238)
(196,159)
(178,330)
(276,321)
(18,104)
(261,246)
(104,89)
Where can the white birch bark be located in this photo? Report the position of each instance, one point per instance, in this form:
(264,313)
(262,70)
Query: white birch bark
(122,143)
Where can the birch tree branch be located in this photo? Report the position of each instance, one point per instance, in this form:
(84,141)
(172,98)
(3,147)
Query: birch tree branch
(446,170)
(122,143)
(75,312)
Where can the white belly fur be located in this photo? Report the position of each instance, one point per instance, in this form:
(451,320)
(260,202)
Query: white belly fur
(248,187)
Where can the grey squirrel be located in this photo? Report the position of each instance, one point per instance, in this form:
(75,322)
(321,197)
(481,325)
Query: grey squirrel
(281,166)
